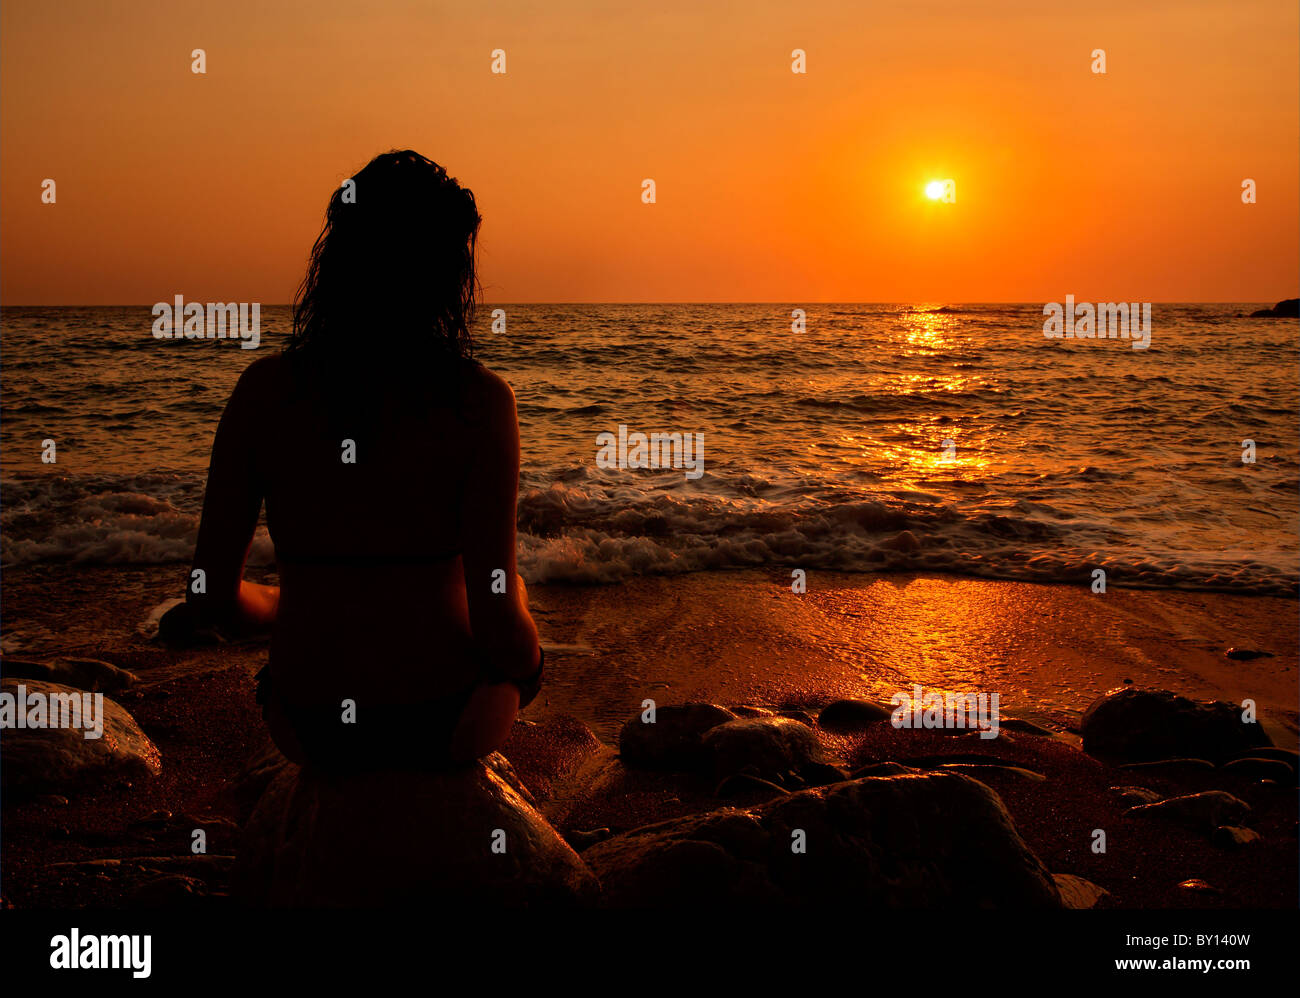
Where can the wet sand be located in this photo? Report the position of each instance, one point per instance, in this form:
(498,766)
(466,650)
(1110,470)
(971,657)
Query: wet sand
(743,637)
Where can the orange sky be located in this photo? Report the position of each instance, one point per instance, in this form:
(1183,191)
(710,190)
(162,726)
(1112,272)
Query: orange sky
(771,186)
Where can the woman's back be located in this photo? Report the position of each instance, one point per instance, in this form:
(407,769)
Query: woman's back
(367,531)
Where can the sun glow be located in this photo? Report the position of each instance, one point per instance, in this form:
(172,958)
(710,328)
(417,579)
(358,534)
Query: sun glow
(934,190)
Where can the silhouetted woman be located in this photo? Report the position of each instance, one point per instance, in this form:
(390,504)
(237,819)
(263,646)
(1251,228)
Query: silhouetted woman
(389,463)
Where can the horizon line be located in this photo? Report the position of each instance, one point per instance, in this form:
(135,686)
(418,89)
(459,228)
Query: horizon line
(790,301)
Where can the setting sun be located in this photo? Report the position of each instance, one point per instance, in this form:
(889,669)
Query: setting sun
(934,190)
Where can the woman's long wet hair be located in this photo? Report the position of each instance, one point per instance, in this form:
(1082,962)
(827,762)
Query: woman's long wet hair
(386,307)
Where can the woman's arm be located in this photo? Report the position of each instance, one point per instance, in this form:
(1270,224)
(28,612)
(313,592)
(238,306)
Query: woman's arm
(231,505)
(502,628)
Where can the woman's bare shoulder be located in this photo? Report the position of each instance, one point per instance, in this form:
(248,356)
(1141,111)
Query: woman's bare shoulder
(487,394)
(262,382)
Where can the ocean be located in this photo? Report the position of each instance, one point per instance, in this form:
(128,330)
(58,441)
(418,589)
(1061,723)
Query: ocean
(884,438)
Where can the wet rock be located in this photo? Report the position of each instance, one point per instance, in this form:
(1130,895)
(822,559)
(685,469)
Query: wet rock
(949,758)
(1290,757)
(882,769)
(1172,769)
(851,715)
(1025,727)
(581,840)
(1138,725)
(741,784)
(48,760)
(1199,887)
(674,740)
(1251,770)
(1234,836)
(920,840)
(770,748)
(81,673)
(559,764)
(1135,796)
(802,716)
(1246,654)
(747,711)
(398,838)
(150,881)
(979,770)
(1202,811)
(168,891)
(1079,893)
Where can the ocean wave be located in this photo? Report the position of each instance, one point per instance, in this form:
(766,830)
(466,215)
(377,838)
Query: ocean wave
(587,529)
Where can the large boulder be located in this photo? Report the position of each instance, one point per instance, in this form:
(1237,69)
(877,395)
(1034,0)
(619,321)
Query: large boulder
(917,841)
(41,760)
(1137,725)
(674,740)
(390,839)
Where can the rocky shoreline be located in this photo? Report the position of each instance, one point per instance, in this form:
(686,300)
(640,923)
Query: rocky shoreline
(1153,800)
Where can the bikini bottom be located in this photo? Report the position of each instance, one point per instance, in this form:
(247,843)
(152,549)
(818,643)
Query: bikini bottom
(388,736)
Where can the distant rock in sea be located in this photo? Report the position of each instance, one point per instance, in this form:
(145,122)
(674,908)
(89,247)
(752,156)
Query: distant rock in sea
(1288,308)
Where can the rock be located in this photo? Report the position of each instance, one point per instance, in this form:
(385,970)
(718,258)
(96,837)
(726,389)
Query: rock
(1234,836)
(674,740)
(384,839)
(1172,769)
(584,840)
(851,715)
(747,711)
(882,769)
(1201,811)
(168,891)
(1290,757)
(1251,769)
(1287,308)
(1198,887)
(802,716)
(1025,727)
(1246,654)
(979,770)
(948,758)
(49,760)
(82,673)
(1079,893)
(770,748)
(1135,796)
(915,841)
(1137,725)
(739,784)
